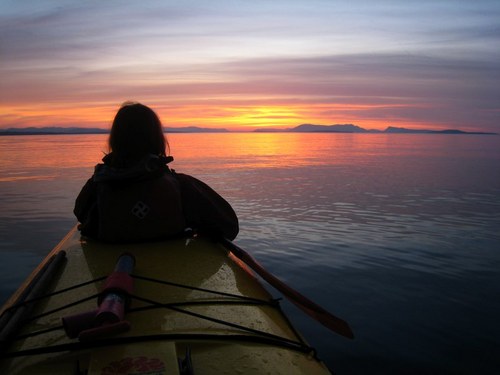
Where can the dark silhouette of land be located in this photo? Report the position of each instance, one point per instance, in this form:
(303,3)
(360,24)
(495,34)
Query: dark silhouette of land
(76,130)
(304,128)
(350,128)
(51,130)
(195,129)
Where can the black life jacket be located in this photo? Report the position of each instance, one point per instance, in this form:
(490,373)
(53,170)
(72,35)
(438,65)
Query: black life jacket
(143,208)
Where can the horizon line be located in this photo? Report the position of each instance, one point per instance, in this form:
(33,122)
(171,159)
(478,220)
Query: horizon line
(302,128)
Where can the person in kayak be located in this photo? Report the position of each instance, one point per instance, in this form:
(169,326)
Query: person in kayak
(134,196)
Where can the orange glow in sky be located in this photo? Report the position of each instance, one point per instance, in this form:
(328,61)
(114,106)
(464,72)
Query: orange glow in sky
(235,118)
(275,64)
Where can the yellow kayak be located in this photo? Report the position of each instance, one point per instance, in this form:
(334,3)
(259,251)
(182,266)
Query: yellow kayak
(183,306)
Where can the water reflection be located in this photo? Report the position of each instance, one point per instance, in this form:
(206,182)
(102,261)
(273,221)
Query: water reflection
(396,233)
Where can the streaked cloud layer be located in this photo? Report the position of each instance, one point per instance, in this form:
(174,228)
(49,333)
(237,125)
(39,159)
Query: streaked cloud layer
(246,64)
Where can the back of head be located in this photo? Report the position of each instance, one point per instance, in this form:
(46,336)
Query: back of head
(136,132)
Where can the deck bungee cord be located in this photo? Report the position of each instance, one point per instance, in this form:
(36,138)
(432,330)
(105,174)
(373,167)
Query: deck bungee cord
(253,335)
(188,337)
(170,283)
(187,305)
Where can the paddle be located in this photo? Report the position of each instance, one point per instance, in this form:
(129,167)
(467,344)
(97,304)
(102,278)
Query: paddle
(306,305)
(12,317)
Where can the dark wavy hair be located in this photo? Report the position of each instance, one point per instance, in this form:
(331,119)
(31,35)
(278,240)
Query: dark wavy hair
(136,132)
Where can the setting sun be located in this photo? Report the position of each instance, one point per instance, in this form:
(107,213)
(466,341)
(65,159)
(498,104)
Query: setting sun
(255,65)
(258,117)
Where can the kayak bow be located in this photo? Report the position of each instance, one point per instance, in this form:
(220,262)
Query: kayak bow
(192,309)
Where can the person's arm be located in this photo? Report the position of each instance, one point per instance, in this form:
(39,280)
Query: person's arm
(205,210)
(85,208)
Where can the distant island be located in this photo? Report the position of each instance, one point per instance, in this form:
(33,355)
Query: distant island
(304,128)
(194,129)
(52,130)
(350,128)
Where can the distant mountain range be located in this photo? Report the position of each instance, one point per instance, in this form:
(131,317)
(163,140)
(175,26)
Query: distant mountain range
(52,130)
(75,130)
(304,128)
(195,129)
(350,128)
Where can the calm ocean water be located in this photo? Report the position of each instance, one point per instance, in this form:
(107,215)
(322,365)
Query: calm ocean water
(397,234)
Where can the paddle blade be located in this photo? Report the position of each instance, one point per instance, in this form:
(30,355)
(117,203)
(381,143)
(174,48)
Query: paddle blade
(315,311)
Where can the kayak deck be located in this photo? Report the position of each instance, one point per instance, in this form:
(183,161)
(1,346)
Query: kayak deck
(193,309)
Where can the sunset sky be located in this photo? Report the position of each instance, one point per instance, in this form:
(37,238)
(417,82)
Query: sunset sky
(247,64)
